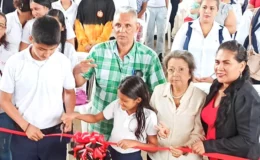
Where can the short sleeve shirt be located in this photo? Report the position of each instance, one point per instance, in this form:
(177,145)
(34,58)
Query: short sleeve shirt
(125,125)
(111,70)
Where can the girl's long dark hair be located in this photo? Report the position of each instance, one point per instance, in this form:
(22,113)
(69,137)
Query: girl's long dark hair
(134,87)
(61,18)
(226,102)
(3,39)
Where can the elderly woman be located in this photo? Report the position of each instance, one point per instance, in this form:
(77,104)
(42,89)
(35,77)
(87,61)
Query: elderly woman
(178,104)
(202,38)
(230,116)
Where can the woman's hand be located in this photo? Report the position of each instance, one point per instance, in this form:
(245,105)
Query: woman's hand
(198,148)
(126,143)
(163,130)
(175,152)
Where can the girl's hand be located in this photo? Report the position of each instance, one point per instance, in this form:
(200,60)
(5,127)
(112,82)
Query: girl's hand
(163,130)
(175,152)
(68,117)
(198,148)
(126,143)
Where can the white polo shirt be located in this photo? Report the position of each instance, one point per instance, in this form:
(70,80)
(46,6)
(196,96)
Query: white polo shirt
(37,86)
(27,31)
(156,3)
(14,31)
(202,48)
(70,14)
(4,56)
(121,3)
(243,29)
(125,125)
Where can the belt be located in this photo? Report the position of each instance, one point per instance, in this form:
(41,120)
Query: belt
(51,130)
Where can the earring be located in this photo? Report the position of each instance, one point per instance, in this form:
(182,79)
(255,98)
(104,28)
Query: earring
(240,75)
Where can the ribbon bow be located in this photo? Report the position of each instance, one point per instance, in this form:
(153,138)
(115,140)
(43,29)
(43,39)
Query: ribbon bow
(89,146)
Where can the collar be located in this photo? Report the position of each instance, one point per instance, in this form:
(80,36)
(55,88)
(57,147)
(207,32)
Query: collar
(17,20)
(187,95)
(196,25)
(29,57)
(131,53)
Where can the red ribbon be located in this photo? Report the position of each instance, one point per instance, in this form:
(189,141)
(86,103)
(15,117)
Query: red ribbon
(95,146)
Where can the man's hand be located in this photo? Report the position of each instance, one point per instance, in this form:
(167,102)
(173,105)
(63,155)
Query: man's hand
(34,133)
(84,66)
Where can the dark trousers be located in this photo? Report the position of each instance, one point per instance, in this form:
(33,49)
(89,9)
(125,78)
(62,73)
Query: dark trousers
(119,156)
(175,4)
(49,148)
(5,138)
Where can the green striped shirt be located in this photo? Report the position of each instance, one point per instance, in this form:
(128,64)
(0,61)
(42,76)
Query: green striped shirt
(111,69)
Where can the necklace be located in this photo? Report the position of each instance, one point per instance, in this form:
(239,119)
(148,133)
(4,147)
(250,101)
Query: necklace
(177,97)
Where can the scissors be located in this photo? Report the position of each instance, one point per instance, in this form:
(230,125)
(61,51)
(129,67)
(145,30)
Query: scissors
(62,127)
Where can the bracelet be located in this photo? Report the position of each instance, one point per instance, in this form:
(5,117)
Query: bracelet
(27,127)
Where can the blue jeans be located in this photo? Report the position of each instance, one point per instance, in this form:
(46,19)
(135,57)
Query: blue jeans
(5,138)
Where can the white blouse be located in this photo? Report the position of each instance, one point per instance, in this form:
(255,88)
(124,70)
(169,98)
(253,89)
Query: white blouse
(202,48)
(184,122)
(70,14)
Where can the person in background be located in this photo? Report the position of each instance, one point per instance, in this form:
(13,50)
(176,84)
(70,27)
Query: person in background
(32,88)
(194,11)
(125,3)
(69,9)
(226,17)
(6,6)
(40,8)
(202,38)
(178,105)
(5,120)
(15,23)
(175,6)
(64,47)
(110,62)
(230,117)
(94,23)
(158,18)
(134,120)
(253,4)
(141,8)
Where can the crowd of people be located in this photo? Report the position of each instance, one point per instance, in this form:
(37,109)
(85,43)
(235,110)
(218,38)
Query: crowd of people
(143,96)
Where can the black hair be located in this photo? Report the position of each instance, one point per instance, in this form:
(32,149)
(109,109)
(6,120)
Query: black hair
(3,38)
(240,55)
(46,30)
(61,18)
(134,87)
(226,101)
(45,3)
(22,5)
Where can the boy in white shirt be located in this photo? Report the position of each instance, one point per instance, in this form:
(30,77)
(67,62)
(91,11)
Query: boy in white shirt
(37,79)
